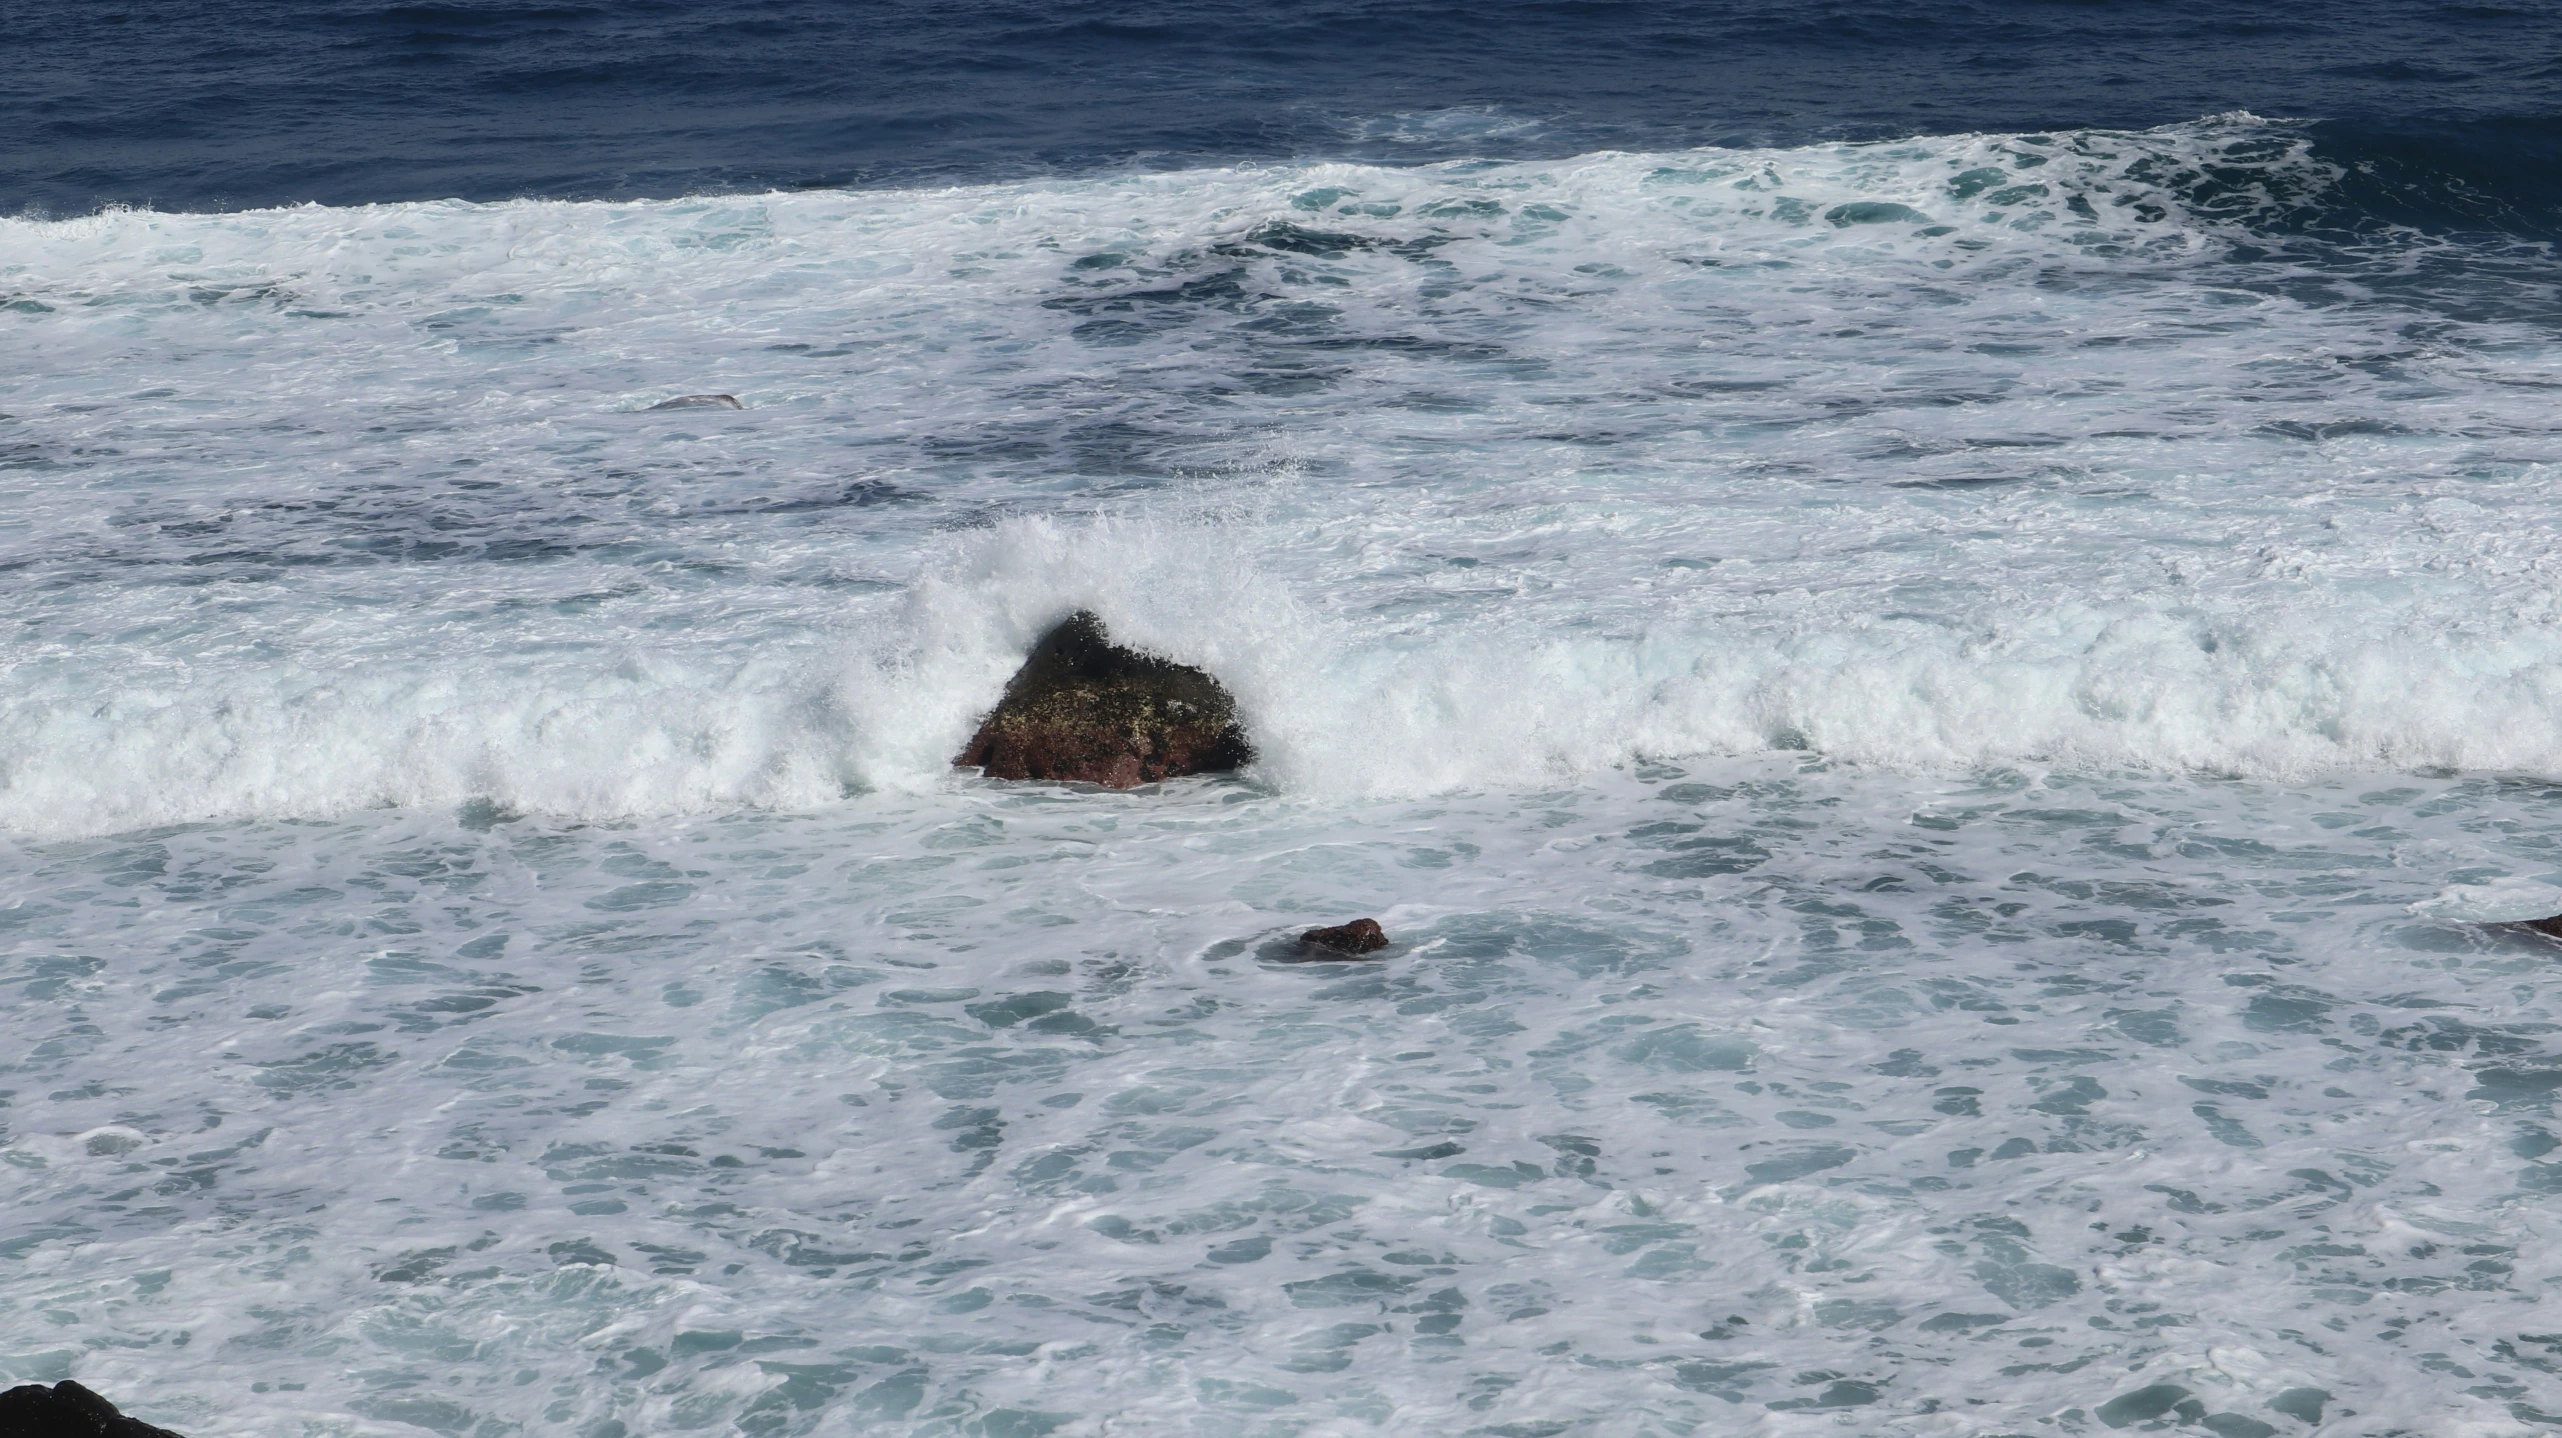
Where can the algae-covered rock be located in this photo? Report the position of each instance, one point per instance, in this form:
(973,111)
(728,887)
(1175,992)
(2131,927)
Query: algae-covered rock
(1085,709)
(1361,936)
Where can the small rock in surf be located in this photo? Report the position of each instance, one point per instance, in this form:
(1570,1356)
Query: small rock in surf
(700,401)
(1084,709)
(2551,927)
(67,1410)
(1361,936)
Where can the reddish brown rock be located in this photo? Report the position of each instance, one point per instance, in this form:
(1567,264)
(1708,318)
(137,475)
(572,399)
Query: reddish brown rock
(1085,709)
(1361,936)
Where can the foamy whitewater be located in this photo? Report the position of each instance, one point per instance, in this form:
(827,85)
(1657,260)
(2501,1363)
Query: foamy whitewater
(1938,725)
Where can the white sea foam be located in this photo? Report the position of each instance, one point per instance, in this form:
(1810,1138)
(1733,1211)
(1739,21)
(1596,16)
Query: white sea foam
(987,1108)
(1981,480)
(2272,685)
(2503,901)
(1908,706)
(1464,476)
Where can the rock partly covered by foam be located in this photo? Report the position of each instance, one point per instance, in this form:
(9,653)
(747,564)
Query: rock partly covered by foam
(1361,936)
(2500,901)
(700,401)
(1083,708)
(67,1410)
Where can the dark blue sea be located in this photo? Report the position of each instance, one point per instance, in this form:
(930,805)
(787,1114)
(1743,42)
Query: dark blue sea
(2447,111)
(1934,630)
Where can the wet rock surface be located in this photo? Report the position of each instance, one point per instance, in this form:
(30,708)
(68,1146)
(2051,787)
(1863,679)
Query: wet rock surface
(1361,936)
(1084,709)
(67,1410)
(700,401)
(2551,927)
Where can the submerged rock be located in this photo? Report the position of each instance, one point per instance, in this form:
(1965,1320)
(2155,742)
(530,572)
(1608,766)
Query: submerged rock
(700,401)
(1085,709)
(67,1410)
(1361,936)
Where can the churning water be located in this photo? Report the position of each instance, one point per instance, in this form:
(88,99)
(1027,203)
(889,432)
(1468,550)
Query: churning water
(1928,717)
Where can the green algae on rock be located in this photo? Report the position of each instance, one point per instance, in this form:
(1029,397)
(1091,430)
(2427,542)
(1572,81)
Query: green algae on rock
(1084,709)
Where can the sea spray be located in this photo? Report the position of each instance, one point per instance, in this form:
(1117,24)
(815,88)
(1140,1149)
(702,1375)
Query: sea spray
(2247,682)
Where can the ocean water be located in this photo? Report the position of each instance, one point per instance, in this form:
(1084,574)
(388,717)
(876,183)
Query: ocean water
(181,105)
(1945,722)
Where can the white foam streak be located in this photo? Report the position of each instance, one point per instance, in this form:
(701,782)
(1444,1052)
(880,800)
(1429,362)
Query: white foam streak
(289,745)
(2318,687)
(1336,707)
(2502,901)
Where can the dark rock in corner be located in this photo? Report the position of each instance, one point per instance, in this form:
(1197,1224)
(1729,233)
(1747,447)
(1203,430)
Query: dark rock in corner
(67,1410)
(700,401)
(1083,708)
(1361,936)
(2551,928)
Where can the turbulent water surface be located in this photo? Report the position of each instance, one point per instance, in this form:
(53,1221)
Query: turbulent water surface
(1937,722)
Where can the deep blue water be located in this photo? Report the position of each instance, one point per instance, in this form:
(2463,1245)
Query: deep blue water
(2442,112)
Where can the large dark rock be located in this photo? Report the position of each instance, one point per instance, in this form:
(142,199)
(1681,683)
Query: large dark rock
(1361,936)
(1083,708)
(67,1410)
